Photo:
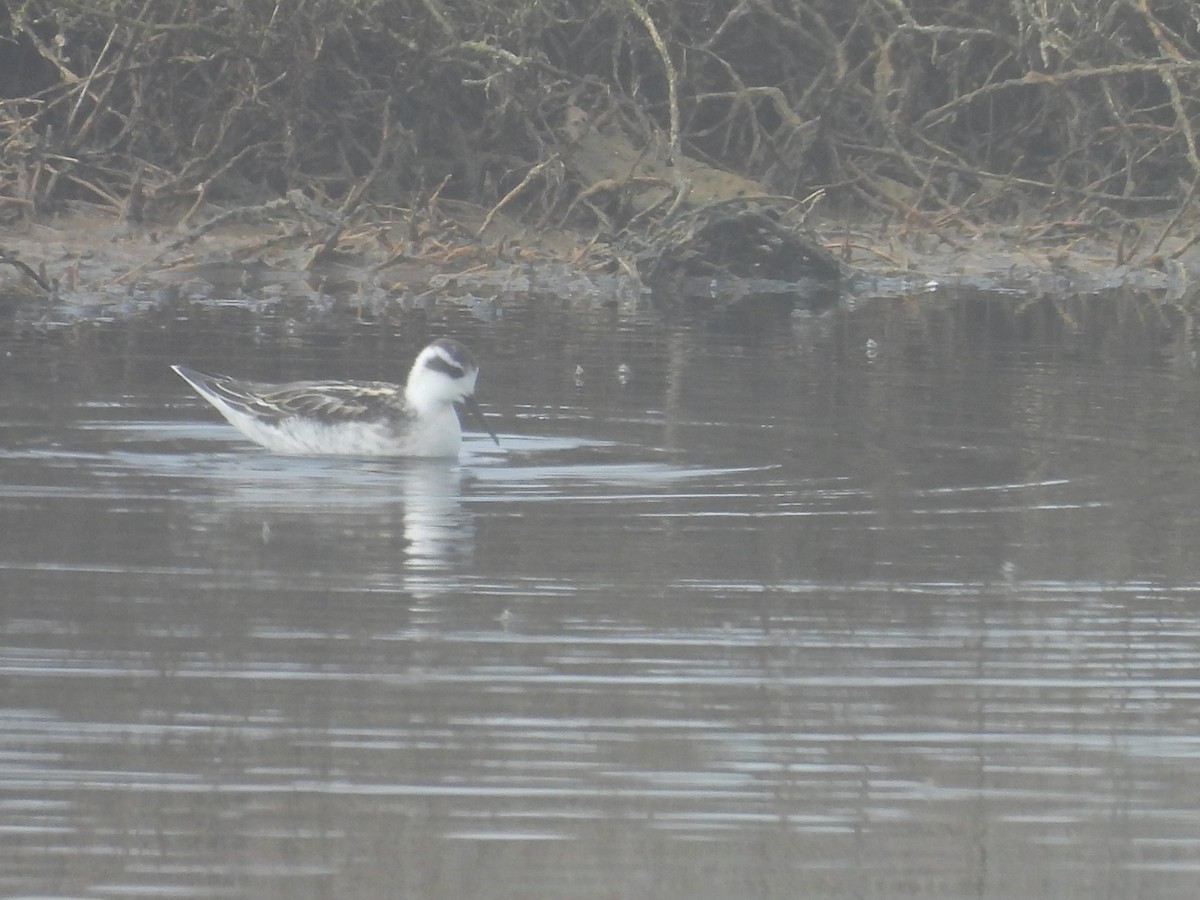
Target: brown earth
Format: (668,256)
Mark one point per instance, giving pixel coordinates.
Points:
(87,254)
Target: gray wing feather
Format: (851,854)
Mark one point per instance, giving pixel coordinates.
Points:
(336,401)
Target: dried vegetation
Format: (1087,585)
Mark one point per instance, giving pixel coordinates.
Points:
(688,137)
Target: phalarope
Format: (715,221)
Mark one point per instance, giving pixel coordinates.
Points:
(363,418)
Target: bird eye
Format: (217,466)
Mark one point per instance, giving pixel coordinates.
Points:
(443,365)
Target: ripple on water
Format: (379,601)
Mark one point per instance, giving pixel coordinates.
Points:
(876,647)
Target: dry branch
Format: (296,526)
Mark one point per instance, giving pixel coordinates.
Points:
(954,112)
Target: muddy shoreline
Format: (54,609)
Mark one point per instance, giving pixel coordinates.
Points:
(88,257)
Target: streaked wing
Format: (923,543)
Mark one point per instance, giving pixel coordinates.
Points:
(338,401)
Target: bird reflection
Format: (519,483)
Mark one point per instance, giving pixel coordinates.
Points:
(436,530)
(339,524)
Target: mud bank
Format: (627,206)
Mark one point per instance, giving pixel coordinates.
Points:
(85,259)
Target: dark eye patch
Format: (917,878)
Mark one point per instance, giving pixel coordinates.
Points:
(440,364)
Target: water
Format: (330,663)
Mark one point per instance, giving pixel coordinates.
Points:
(897,601)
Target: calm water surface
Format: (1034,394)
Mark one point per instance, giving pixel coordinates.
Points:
(898,601)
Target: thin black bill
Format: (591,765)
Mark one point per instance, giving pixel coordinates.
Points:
(473,408)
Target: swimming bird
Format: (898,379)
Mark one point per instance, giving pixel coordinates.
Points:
(361,418)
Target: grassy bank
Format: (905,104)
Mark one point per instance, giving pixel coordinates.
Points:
(616,119)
